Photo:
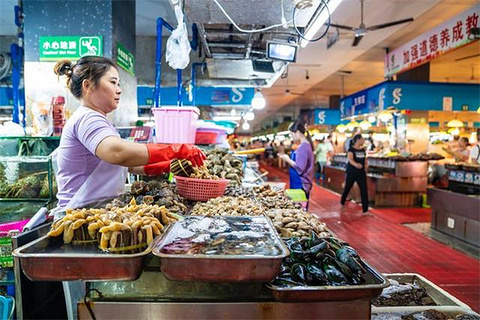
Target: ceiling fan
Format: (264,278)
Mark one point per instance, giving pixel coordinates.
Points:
(362,30)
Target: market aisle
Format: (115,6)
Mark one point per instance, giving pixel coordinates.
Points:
(391,247)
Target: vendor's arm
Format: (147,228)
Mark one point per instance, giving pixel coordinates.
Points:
(352,161)
(287,159)
(123,153)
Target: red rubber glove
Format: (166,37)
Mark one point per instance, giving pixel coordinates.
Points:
(156,169)
(165,152)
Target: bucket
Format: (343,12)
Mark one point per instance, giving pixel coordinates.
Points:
(176,124)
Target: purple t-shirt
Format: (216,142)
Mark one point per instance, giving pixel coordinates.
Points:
(76,158)
(304,161)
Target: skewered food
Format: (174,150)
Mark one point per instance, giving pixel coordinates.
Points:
(116,229)
(297,223)
(227,206)
(320,261)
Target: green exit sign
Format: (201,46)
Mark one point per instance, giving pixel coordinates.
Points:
(70,47)
(125,59)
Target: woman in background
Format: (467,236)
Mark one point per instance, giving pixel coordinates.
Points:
(356,171)
(301,161)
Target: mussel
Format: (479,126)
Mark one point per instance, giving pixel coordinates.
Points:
(299,272)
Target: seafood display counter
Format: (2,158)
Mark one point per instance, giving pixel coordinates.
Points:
(396,182)
(392,181)
(455,210)
(251,253)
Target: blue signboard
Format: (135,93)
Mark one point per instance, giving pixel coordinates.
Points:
(6,97)
(206,96)
(411,96)
(327,117)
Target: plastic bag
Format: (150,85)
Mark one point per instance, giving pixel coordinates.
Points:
(178,46)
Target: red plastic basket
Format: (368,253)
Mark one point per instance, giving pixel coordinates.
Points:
(205,137)
(200,189)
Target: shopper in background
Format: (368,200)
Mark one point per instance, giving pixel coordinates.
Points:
(301,160)
(356,171)
(371,143)
(475,151)
(92,159)
(461,153)
(280,151)
(321,153)
(347,145)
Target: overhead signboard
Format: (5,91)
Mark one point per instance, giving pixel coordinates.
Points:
(206,96)
(411,96)
(125,59)
(444,38)
(69,47)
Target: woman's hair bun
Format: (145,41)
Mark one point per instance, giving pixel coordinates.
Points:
(64,68)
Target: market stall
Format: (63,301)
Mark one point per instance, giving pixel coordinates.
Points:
(455,209)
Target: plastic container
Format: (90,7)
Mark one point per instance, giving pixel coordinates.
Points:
(176,124)
(297,195)
(200,189)
(203,137)
(220,134)
(6,307)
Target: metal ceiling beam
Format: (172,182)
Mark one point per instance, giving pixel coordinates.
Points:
(203,39)
(226,45)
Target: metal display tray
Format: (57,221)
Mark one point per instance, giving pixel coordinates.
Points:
(441,297)
(375,282)
(49,259)
(394,313)
(220,268)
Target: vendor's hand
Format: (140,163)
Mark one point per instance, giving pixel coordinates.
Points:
(167,152)
(359,166)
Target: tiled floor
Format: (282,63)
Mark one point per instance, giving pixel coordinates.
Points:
(390,247)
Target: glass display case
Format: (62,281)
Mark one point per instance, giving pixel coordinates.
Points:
(28,146)
(26,179)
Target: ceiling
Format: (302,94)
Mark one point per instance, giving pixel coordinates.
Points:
(364,63)
(366,67)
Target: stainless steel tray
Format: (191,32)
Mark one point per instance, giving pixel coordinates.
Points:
(441,297)
(49,259)
(220,268)
(375,282)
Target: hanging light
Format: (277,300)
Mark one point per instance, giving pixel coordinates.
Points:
(478,110)
(372,119)
(454,131)
(233,113)
(258,101)
(390,128)
(365,125)
(341,128)
(385,116)
(455,123)
(352,125)
(246,126)
(249,116)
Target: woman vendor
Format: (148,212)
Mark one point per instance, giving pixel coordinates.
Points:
(92,159)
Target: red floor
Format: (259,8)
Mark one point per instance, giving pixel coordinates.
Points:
(390,247)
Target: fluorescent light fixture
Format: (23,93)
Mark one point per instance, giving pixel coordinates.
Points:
(319,21)
(245,126)
(282,51)
(233,113)
(258,101)
(249,116)
(283,133)
(226,118)
(364,125)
